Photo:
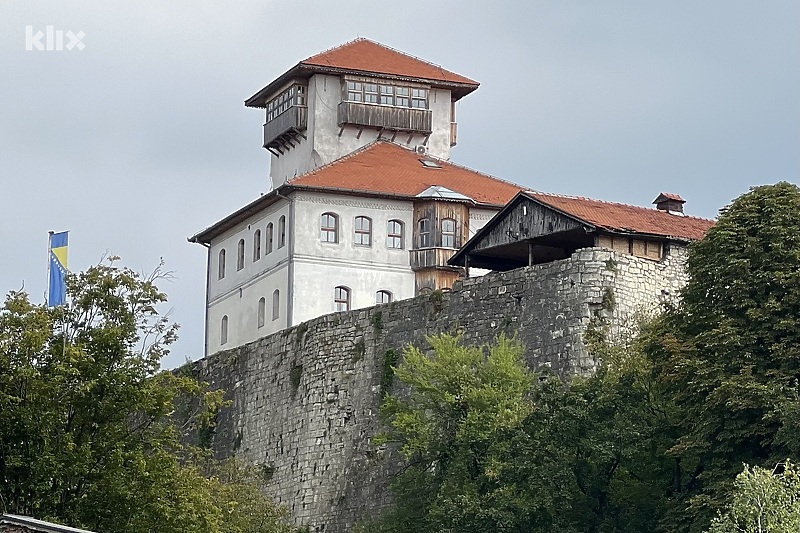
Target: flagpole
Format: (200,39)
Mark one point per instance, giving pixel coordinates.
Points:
(47,286)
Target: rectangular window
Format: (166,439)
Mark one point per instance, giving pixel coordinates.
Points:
(363,236)
(294,95)
(354,91)
(383,297)
(371,93)
(448,233)
(419,98)
(402,96)
(276,304)
(329,228)
(394,235)
(341,298)
(387,94)
(424,233)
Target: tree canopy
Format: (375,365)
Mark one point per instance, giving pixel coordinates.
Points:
(88,432)
(763,501)
(654,441)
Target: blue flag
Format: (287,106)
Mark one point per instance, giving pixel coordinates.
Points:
(57,290)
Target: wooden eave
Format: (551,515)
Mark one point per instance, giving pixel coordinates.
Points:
(388,195)
(458,257)
(305,71)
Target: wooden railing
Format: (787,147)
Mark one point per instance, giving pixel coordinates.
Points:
(430,257)
(391,118)
(292,120)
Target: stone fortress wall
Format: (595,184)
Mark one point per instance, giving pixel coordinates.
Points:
(305,400)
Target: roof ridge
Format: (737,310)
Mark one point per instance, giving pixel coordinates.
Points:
(367,39)
(648,209)
(332,48)
(443,70)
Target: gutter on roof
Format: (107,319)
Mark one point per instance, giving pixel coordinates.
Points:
(204,237)
(390,195)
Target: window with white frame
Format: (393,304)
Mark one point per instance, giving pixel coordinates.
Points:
(262,309)
(294,95)
(256,245)
(424,226)
(448,233)
(276,304)
(329,227)
(223,330)
(282,231)
(341,298)
(363,231)
(221,266)
(240,255)
(383,297)
(394,234)
(269,238)
(387,94)
(419,98)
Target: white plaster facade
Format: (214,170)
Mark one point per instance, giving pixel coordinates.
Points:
(305,270)
(326,141)
(252,294)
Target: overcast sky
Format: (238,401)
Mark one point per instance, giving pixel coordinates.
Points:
(141,139)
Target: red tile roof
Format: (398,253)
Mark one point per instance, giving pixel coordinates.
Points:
(368,56)
(669,196)
(387,168)
(627,218)
(364,57)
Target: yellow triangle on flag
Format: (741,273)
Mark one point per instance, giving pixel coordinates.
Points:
(61,255)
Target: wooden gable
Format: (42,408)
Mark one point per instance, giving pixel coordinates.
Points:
(525,232)
(526,219)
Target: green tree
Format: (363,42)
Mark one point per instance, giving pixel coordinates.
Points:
(729,354)
(87,421)
(489,448)
(763,501)
(451,420)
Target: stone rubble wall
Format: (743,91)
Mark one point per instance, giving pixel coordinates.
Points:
(305,401)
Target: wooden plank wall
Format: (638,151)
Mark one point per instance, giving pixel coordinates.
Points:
(431,280)
(436,211)
(526,220)
(645,248)
(382,116)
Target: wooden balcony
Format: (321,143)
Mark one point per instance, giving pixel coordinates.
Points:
(387,117)
(285,128)
(431,258)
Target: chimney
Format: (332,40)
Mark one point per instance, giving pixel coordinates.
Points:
(671,203)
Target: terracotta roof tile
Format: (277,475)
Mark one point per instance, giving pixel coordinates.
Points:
(368,56)
(387,168)
(669,196)
(627,218)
